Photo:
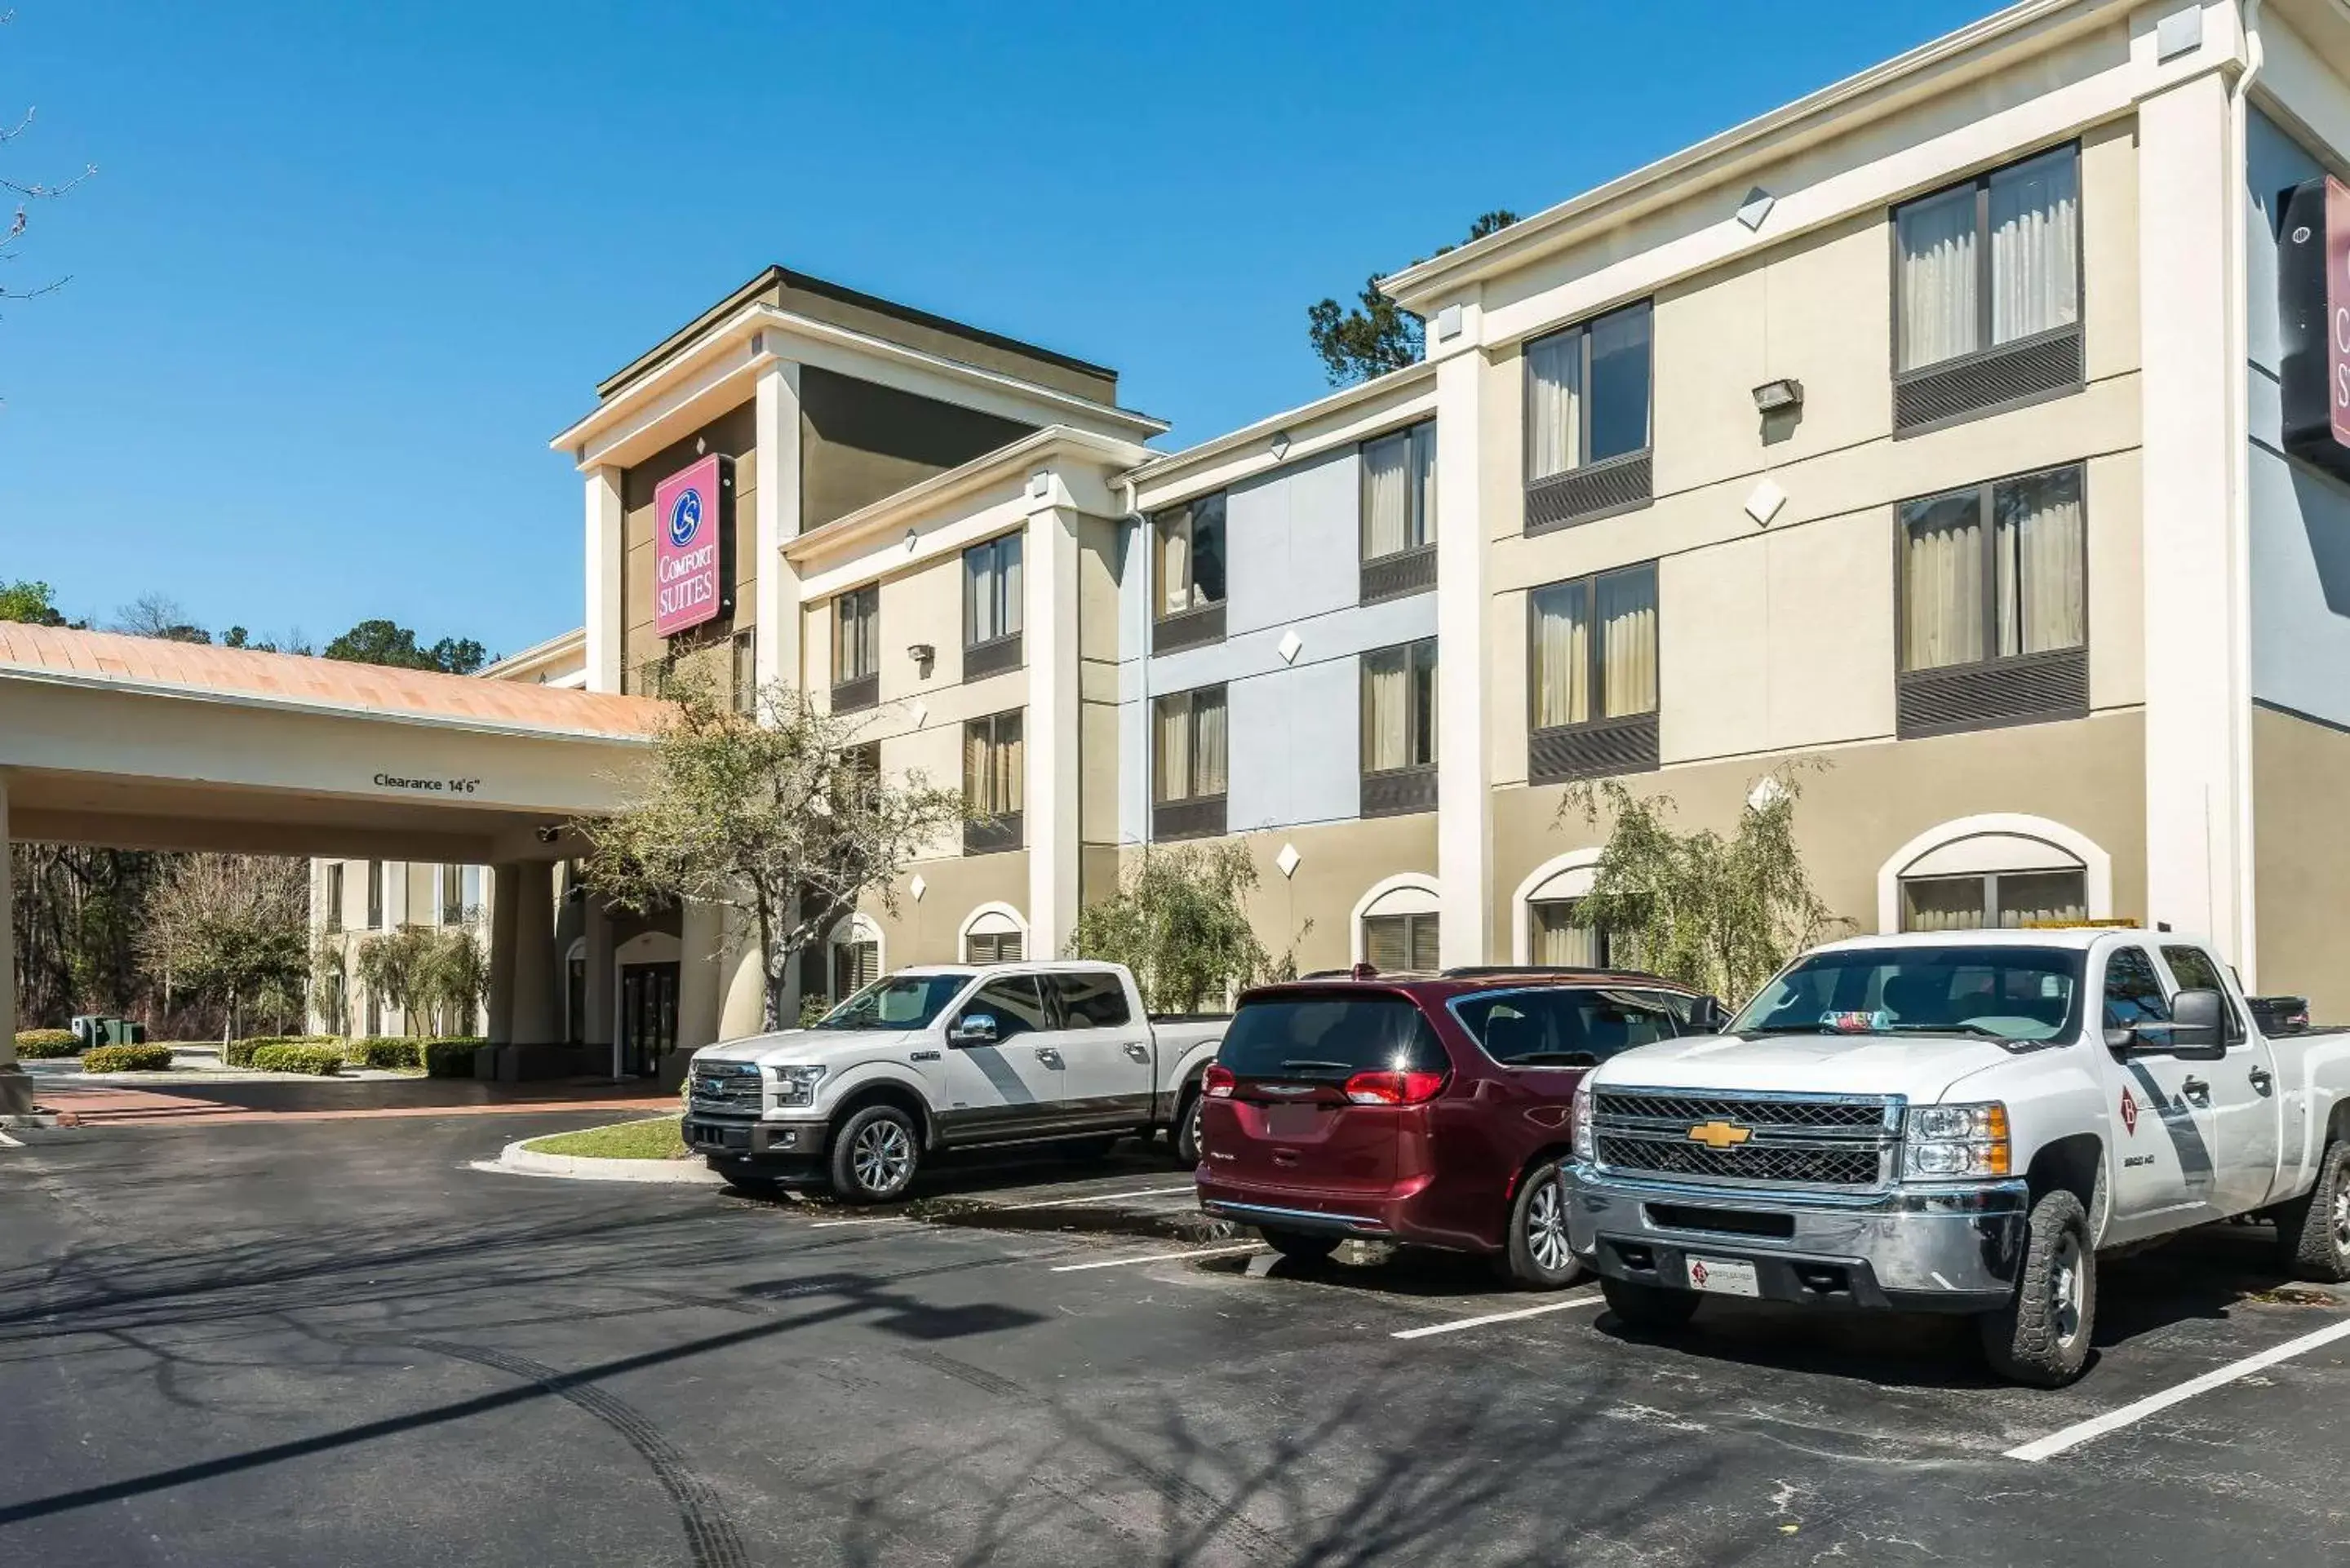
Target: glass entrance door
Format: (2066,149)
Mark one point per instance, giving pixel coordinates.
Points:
(647,1017)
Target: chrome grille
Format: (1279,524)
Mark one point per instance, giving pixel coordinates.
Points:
(725,1087)
(1791,1140)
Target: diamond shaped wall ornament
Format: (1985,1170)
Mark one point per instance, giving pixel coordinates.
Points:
(1287,859)
(1765,503)
(1767,792)
(1753,211)
(913,541)
(1291,644)
(918,886)
(920,713)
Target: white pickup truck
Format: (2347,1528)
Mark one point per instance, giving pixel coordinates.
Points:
(1960,1121)
(950,1057)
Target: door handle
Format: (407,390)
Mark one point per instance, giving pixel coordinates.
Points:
(2262,1078)
(1050,1057)
(1138,1051)
(2196,1089)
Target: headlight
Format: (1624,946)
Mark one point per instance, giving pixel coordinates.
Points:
(796,1085)
(1587,1148)
(1944,1141)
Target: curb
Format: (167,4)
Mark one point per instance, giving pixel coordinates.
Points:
(521,1161)
(20,1120)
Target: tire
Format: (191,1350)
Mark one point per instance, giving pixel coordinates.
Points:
(1536,1257)
(2040,1338)
(1655,1309)
(1300,1246)
(1185,1134)
(2313,1230)
(875,1154)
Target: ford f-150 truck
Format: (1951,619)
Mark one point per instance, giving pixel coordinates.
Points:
(948,1058)
(1960,1121)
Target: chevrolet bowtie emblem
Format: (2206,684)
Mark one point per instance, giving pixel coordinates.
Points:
(1719,1135)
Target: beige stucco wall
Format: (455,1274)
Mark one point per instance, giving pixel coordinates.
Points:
(2302,861)
(927,929)
(1870,800)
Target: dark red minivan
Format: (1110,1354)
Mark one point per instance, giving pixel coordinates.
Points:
(1426,1109)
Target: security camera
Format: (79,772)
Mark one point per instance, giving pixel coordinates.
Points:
(549,835)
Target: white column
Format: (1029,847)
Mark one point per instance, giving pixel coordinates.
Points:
(15,1084)
(1049,731)
(534,955)
(604,606)
(777,436)
(743,1007)
(700,980)
(505,894)
(1464,800)
(2196,720)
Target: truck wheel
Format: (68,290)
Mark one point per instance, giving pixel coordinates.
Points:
(874,1155)
(2042,1336)
(2314,1230)
(1658,1309)
(1300,1246)
(1185,1135)
(1537,1257)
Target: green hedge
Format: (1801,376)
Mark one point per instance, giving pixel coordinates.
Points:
(318,1061)
(126,1059)
(45,1044)
(239,1052)
(451,1058)
(387,1053)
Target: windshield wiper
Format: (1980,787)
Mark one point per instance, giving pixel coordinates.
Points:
(1783,1029)
(1976,1030)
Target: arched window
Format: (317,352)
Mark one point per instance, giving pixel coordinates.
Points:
(1998,870)
(855,951)
(1395,924)
(995,933)
(1546,927)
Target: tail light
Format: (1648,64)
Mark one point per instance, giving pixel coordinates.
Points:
(1217,1082)
(1394,1088)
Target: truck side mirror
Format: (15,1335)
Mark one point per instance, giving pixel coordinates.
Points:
(1709,1016)
(975,1029)
(2196,1025)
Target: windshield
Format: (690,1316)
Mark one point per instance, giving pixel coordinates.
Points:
(1333,1035)
(1999,992)
(1563,1028)
(897,1001)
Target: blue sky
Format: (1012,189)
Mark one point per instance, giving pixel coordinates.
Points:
(346,268)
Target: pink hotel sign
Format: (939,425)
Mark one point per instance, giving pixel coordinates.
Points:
(689,584)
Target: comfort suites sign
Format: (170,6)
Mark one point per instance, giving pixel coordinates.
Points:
(693,545)
(2314,319)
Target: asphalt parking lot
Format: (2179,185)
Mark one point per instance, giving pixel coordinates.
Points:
(337,1342)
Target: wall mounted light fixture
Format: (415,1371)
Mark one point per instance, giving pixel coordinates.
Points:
(1773,397)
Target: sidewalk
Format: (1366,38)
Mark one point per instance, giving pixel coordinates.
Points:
(83,1103)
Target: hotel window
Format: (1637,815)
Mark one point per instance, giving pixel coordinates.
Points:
(452,895)
(994,938)
(857,649)
(1987,293)
(856,964)
(1189,736)
(1561,940)
(1399,742)
(1399,514)
(1587,442)
(332,897)
(993,585)
(993,776)
(1993,605)
(375,896)
(1188,571)
(1592,676)
(1400,943)
(2001,900)
(745,673)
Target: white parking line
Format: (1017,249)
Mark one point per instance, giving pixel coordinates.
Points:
(1189,1187)
(2097,1426)
(1460,1324)
(1155,1258)
(868,1219)
(7,1142)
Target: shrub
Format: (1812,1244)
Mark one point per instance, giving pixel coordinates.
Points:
(239,1052)
(45,1044)
(318,1061)
(387,1053)
(451,1058)
(127,1059)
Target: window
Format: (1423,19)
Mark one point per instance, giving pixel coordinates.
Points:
(452,895)
(1557,1027)
(994,775)
(2001,899)
(375,896)
(1561,940)
(1400,514)
(745,672)
(1587,396)
(2194,970)
(1987,282)
(334,896)
(1392,942)
(992,947)
(1334,1036)
(991,590)
(1399,745)
(1994,604)
(1188,764)
(1189,574)
(1593,677)
(1090,999)
(857,649)
(902,1001)
(856,964)
(2133,990)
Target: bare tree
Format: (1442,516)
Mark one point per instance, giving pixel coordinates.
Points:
(26,192)
(159,615)
(235,927)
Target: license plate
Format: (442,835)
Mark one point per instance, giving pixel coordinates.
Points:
(740,1137)
(1723,1277)
(1291,1121)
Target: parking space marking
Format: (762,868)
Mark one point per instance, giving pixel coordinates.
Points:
(2097,1426)
(1157,1258)
(868,1219)
(1189,1187)
(7,1142)
(1458,1324)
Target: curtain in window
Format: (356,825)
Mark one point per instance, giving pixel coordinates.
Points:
(1423,472)
(977,782)
(1936,291)
(1941,582)
(1554,405)
(1562,672)
(1385,711)
(1559,940)
(1627,646)
(1386,497)
(1942,904)
(1208,732)
(2035,235)
(1175,563)
(979,586)
(1424,953)
(2040,550)
(2029,897)
(1386,943)
(1011,766)
(1172,754)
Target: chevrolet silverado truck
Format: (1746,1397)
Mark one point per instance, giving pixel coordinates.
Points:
(1960,1122)
(948,1058)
